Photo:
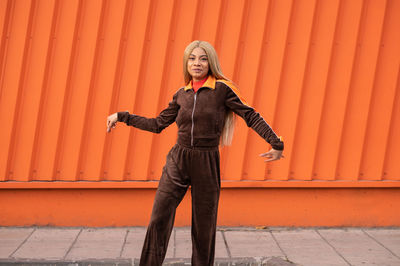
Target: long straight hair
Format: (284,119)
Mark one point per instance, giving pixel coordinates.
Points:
(215,70)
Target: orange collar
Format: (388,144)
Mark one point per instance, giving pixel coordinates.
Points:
(210,83)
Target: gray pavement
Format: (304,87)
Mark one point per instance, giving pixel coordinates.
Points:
(234,246)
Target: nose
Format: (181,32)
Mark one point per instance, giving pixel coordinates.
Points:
(196,62)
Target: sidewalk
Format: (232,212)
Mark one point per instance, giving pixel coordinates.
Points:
(234,246)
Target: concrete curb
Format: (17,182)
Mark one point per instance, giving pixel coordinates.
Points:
(257,261)
(251,261)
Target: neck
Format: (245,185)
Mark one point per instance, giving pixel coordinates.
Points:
(200,80)
(197,84)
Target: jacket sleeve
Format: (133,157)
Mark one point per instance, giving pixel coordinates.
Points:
(156,125)
(253,119)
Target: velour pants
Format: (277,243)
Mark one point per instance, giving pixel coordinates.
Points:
(198,168)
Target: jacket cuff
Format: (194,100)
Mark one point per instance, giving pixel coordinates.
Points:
(123,117)
(278,144)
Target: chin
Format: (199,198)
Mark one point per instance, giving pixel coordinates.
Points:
(200,76)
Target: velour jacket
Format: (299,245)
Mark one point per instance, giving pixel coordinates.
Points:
(200,116)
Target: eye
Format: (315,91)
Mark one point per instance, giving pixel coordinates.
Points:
(191,58)
(204,59)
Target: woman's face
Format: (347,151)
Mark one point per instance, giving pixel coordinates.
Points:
(198,64)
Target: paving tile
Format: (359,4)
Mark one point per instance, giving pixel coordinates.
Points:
(183,243)
(98,244)
(220,247)
(171,244)
(252,243)
(47,243)
(134,243)
(11,238)
(390,238)
(357,248)
(306,247)
(183,246)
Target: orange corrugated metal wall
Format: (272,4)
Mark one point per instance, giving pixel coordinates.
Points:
(324,74)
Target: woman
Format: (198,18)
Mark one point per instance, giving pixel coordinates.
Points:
(203,111)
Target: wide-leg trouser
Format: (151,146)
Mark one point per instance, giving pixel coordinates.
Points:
(198,168)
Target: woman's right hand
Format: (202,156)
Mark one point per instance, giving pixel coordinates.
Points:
(112,121)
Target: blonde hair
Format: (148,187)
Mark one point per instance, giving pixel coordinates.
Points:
(214,70)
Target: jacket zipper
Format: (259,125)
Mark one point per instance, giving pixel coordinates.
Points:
(194,106)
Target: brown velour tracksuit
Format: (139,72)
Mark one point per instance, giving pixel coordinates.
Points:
(194,161)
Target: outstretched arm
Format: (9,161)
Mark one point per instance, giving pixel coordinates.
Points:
(254,120)
(156,125)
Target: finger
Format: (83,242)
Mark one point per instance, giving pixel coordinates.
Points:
(274,158)
(268,156)
(110,126)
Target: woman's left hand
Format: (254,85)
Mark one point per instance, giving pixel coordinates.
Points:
(272,155)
